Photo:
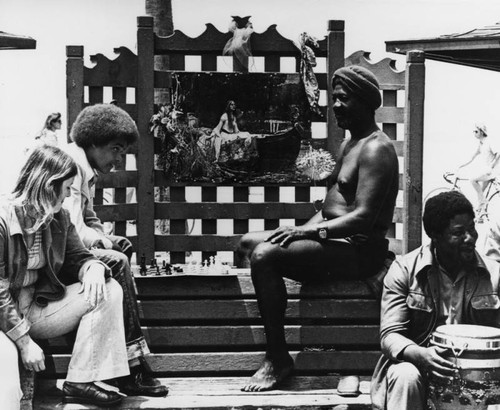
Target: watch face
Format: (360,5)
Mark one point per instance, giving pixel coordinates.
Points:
(323,233)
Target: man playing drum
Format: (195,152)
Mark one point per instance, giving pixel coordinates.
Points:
(443,283)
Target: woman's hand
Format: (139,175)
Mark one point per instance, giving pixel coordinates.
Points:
(31,354)
(284,235)
(94,284)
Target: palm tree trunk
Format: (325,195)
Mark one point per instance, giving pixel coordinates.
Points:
(163,25)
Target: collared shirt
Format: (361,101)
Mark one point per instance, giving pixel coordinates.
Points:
(80,203)
(409,307)
(452,293)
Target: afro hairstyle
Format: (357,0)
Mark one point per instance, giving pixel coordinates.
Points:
(442,208)
(102,123)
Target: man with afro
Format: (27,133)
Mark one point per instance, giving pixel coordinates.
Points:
(445,282)
(101,135)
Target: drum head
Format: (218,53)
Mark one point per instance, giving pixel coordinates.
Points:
(471,337)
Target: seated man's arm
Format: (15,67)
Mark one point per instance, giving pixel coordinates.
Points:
(395,320)
(86,222)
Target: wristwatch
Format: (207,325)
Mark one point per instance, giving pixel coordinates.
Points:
(322,233)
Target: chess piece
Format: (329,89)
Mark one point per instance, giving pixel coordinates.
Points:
(142,267)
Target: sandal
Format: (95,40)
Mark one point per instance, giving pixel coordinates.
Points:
(348,386)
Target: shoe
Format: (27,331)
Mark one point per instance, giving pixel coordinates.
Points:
(141,383)
(348,386)
(89,393)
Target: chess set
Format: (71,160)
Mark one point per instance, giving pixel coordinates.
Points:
(211,267)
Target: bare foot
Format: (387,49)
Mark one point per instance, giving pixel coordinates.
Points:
(268,376)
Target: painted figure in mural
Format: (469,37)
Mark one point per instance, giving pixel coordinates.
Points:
(446,282)
(346,239)
(101,135)
(227,130)
(479,168)
(48,134)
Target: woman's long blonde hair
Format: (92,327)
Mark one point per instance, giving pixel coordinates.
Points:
(39,184)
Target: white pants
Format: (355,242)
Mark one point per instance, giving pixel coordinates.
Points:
(405,388)
(10,384)
(99,352)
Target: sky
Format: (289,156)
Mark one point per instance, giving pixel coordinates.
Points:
(32,82)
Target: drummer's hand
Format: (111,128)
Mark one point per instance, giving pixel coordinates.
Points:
(430,359)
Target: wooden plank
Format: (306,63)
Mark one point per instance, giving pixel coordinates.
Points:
(245,309)
(163,180)
(120,72)
(116,212)
(212,41)
(385,70)
(233,337)
(234,210)
(193,287)
(239,210)
(74,84)
(414,136)
(218,393)
(236,336)
(117,179)
(318,362)
(181,242)
(390,114)
(145,155)
(207,243)
(335,60)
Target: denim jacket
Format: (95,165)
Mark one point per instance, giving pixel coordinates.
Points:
(67,260)
(410,301)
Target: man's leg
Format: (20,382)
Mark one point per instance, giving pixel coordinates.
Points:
(405,388)
(302,260)
(140,381)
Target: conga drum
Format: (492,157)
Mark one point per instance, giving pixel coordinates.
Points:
(476,352)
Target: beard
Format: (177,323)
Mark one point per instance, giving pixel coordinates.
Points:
(343,121)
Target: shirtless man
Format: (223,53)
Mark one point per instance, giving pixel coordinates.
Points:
(346,240)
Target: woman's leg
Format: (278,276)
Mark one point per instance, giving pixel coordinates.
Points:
(99,351)
(10,385)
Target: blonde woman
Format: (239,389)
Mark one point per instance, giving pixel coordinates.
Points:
(50,284)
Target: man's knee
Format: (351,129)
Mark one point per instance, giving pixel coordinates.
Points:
(263,255)
(115,260)
(405,375)
(246,244)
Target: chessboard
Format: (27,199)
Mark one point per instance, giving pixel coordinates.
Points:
(210,267)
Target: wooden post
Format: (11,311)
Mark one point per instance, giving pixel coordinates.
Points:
(414,136)
(335,60)
(145,149)
(74,84)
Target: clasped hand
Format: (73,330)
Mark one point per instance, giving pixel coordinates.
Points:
(94,284)
(431,359)
(284,235)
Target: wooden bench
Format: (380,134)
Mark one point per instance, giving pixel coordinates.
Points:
(205,332)
(199,327)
